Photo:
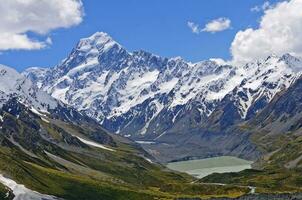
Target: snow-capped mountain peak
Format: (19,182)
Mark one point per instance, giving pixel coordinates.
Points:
(97,43)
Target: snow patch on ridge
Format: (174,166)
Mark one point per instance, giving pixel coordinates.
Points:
(94,144)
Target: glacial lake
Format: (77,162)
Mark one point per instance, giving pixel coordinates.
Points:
(203,167)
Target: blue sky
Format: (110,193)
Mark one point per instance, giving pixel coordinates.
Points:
(157,26)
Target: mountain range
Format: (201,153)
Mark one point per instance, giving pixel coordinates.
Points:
(165,104)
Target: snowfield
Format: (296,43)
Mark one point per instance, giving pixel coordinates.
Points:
(23,193)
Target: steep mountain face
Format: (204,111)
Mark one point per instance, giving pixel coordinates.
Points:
(145,96)
(265,79)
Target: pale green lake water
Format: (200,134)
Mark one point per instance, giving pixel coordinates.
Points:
(203,167)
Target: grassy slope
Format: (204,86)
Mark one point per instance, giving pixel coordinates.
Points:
(69,185)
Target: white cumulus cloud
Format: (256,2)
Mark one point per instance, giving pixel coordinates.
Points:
(19,17)
(194,27)
(213,26)
(266,5)
(279,32)
(217,25)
